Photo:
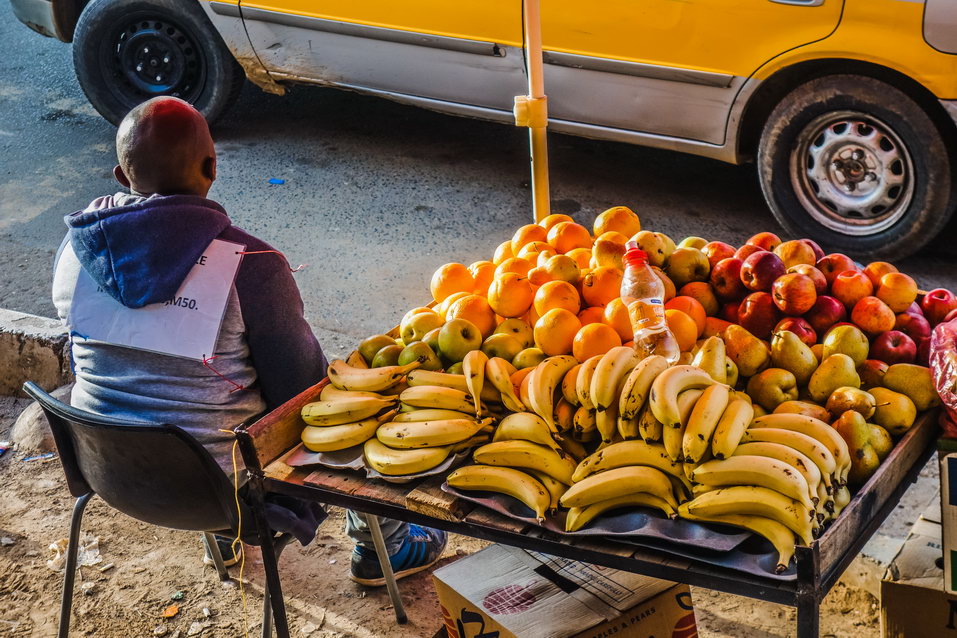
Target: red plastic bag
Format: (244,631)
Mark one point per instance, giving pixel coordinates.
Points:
(943,367)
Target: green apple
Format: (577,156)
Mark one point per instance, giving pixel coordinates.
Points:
(502,345)
(387,356)
(528,358)
(455,368)
(421,352)
(518,329)
(419,325)
(693,242)
(457,338)
(686,265)
(372,345)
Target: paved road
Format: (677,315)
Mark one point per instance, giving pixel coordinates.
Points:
(377,195)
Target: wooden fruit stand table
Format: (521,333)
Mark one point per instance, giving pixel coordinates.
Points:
(267,442)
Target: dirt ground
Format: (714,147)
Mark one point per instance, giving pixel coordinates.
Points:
(150,566)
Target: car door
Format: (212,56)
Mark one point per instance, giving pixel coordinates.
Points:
(466,52)
(668,67)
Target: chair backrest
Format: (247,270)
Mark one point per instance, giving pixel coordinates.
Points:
(158,474)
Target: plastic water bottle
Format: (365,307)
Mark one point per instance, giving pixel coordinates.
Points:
(644,296)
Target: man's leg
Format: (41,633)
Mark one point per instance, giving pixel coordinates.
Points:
(411,548)
(393,531)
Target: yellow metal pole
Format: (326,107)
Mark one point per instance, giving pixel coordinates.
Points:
(532,110)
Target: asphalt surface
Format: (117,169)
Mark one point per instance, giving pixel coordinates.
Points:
(376,195)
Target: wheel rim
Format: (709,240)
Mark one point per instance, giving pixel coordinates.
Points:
(852,173)
(149,56)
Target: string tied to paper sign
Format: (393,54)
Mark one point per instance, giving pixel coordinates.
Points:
(236,386)
(263,252)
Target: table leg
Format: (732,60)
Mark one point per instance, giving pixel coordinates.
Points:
(386,566)
(808,616)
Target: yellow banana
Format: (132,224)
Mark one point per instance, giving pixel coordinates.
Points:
(440,397)
(785,454)
(816,428)
(529,456)
(628,428)
(583,382)
(504,480)
(668,385)
(637,386)
(340,411)
(756,470)
(735,420)
(779,535)
(554,488)
(712,358)
(578,517)
(648,426)
(842,496)
(618,482)
(499,372)
(673,437)
(356,360)
(526,426)
(475,441)
(346,377)
(569,382)
(473,365)
(454,381)
(624,454)
(331,438)
(430,414)
(574,449)
(584,421)
(543,381)
(607,422)
(704,419)
(754,501)
(610,374)
(806,445)
(391,462)
(332,393)
(416,434)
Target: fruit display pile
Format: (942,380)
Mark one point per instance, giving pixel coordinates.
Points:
(798,373)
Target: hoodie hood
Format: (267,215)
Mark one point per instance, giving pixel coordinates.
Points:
(140,250)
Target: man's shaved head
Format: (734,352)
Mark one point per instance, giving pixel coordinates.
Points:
(164,147)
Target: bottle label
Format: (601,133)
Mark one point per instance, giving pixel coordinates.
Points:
(647,314)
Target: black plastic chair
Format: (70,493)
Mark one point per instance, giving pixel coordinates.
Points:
(161,475)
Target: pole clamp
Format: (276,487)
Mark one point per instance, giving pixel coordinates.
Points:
(531,111)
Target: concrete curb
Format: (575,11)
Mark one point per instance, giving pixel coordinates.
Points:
(34,349)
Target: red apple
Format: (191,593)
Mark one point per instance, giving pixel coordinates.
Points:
(872,373)
(818,253)
(794,293)
(796,252)
(893,347)
(914,326)
(759,271)
(923,352)
(746,251)
(715,251)
(798,326)
(915,309)
(820,283)
(758,314)
(851,286)
(951,316)
(833,265)
(873,316)
(877,269)
(767,241)
(825,312)
(897,290)
(729,311)
(726,279)
(937,304)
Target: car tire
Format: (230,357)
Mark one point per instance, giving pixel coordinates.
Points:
(858,166)
(128,51)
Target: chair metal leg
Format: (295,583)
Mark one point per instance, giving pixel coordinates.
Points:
(212,548)
(280,544)
(386,566)
(69,575)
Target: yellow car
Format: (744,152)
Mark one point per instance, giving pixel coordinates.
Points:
(848,107)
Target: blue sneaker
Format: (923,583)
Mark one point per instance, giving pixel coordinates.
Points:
(421,549)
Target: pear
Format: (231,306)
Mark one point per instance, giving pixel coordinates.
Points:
(712,359)
(856,432)
(792,354)
(748,352)
(849,340)
(881,441)
(732,372)
(818,350)
(806,408)
(915,381)
(845,398)
(772,387)
(759,411)
(608,253)
(834,372)
(895,411)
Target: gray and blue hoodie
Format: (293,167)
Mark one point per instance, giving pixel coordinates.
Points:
(139,250)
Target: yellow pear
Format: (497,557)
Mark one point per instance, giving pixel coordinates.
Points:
(804,407)
(845,398)
(712,359)
(749,353)
(834,372)
(792,354)
(731,371)
(895,412)
(915,381)
(772,387)
(856,432)
(881,441)
(608,253)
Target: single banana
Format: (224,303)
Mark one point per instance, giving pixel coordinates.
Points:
(454,381)
(607,422)
(473,365)
(430,414)
(554,488)
(583,382)
(503,480)
(704,419)
(754,501)
(584,421)
(356,360)
(331,438)
(785,454)
(610,374)
(712,359)
(578,517)
(756,470)
(543,381)
(779,535)
(618,482)
(816,428)
(499,372)
(332,393)
(433,396)
(628,428)
(648,426)
(735,420)
(340,411)
(529,456)
(346,377)
(671,383)
(408,435)
(806,445)
(842,496)
(478,440)
(391,462)
(569,384)
(637,386)
(574,449)
(526,426)
(673,437)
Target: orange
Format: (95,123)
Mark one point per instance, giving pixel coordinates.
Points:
(526,235)
(619,219)
(613,236)
(443,307)
(518,376)
(691,307)
(482,273)
(539,276)
(567,236)
(451,278)
(476,309)
(553,220)
(555,331)
(557,294)
(503,252)
(704,293)
(531,250)
(593,314)
(513,264)
(582,257)
(616,316)
(601,285)
(510,295)
(532,317)
(683,328)
(593,339)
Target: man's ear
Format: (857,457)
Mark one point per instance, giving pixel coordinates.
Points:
(209,169)
(121,176)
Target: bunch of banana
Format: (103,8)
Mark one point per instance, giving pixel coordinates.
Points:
(437,397)
(409,461)
(606,386)
(616,488)
(419,434)
(578,517)
(330,438)
(542,383)
(816,429)
(344,409)
(752,500)
(526,455)
(488,394)
(504,480)
(526,426)
(781,536)
(347,377)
